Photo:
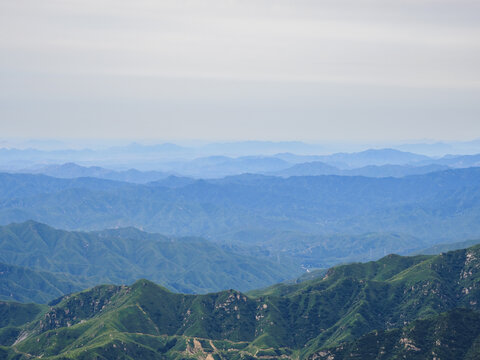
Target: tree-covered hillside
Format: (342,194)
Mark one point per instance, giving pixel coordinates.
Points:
(451,335)
(49,262)
(22,284)
(392,307)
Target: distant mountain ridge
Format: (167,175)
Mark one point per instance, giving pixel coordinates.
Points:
(215,168)
(439,206)
(72,170)
(318,168)
(373,157)
(371,163)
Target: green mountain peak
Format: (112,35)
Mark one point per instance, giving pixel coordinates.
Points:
(391,300)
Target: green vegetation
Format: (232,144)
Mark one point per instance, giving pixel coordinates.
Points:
(45,263)
(25,285)
(13,316)
(451,335)
(50,263)
(394,307)
(320,251)
(439,248)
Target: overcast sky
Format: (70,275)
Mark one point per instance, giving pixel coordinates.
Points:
(350,70)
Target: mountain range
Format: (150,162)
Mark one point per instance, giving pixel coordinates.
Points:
(72,171)
(213,168)
(194,226)
(317,168)
(136,164)
(415,307)
(435,207)
(41,263)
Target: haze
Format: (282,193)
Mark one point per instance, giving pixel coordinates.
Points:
(228,70)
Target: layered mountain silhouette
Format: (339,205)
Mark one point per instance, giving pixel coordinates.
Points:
(141,164)
(438,206)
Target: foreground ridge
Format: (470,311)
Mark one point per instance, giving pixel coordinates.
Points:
(418,307)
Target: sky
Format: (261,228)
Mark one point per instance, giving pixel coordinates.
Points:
(310,70)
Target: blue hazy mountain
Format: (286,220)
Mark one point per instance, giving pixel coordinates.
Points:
(220,166)
(393,170)
(372,157)
(438,206)
(142,163)
(72,170)
(207,167)
(444,247)
(316,168)
(459,161)
(440,148)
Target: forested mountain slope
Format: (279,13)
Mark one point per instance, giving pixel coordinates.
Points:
(76,259)
(22,284)
(413,299)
